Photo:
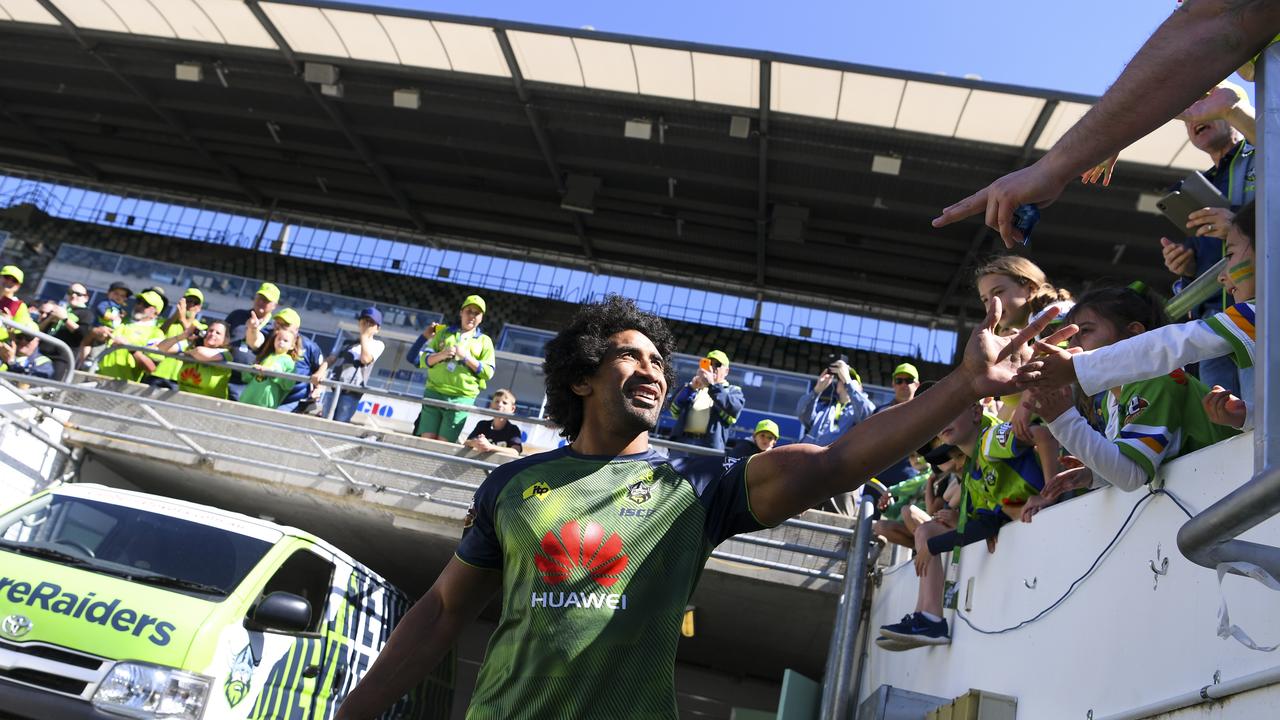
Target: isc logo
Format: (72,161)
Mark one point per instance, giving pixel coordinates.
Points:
(636,512)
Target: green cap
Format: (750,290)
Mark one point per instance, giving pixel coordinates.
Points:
(195,293)
(907,369)
(14,272)
(289,317)
(768,426)
(474,300)
(719,356)
(269,291)
(151,298)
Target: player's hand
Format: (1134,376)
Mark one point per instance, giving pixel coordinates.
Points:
(1053,366)
(991,360)
(1033,185)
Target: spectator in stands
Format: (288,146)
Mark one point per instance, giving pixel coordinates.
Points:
(1196,47)
(20,354)
(68,321)
(209,344)
(238,322)
(11,277)
(835,405)
(302,396)
(459,360)
(763,439)
(354,364)
(142,330)
(1147,422)
(915,501)
(707,406)
(906,383)
(498,434)
(186,315)
(108,316)
(1001,473)
(1214,125)
(281,355)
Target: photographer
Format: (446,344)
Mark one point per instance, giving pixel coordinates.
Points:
(68,321)
(836,404)
(354,364)
(20,353)
(707,406)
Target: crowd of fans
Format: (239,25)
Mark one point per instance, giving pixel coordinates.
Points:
(1002,460)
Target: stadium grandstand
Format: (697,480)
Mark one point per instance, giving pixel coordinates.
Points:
(772,207)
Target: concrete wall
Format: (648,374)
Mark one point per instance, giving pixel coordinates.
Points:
(1121,640)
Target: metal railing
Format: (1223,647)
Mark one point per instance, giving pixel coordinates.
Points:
(63,348)
(318,452)
(1210,538)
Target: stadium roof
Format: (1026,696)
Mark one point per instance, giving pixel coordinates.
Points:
(769,171)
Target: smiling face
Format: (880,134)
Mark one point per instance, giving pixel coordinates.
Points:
(216,336)
(1013,298)
(625,393)
(1239,276)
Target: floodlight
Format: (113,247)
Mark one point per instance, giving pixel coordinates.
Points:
(740,127)
(886,164)
(638,130)
(407,98)
(321,73)
(189,71)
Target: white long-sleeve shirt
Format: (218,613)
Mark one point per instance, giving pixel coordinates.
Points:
(1165,349)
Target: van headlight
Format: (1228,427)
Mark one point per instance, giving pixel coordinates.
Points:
(140,690)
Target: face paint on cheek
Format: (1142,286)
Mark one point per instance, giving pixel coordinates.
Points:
(1241,272)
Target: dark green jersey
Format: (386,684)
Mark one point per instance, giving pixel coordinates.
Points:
(599,556)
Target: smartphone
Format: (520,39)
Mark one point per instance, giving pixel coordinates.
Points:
(1025,219)
(1195,193)
(705,364)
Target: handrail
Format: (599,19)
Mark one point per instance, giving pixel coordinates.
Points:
(63,348)
(338,385)
(1197,291)
(185,443)
(1209,538)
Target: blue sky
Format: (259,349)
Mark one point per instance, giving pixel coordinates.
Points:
(1072,45)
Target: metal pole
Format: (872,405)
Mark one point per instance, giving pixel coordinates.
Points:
(1209,538)
(837,684)
(63,349)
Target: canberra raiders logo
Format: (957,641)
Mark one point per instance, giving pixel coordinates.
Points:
(240,678)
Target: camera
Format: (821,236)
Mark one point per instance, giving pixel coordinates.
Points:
(833,358)
(197,337)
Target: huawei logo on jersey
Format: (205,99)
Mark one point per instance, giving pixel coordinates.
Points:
(601,557)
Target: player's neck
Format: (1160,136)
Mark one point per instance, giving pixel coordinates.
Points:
(595,440)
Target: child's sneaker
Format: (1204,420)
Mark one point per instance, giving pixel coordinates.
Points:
(891,645)
(917,630)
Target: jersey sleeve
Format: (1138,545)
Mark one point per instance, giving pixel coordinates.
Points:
(1150,421)
(721,486)
(1236,326)
(480,546)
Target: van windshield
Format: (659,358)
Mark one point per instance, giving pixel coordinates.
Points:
(136,544)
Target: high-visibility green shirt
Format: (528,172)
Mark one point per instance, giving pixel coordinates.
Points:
(453,377)
(121,364)
(208,380)
(171,365)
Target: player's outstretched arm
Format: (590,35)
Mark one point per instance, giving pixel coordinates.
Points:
(1200,44)
(787,480)
(422,638)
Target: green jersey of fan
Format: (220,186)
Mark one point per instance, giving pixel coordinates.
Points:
(599,556)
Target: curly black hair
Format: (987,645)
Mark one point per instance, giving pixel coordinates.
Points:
(577,351)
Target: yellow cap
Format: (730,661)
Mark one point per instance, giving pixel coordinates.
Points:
(195,293)
(474,300)
(719,356)
(14,272)
(289,317)
(151,298)
(768,426)
(269,291)
(907,369)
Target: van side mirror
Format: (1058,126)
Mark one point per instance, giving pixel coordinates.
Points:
(284,612)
